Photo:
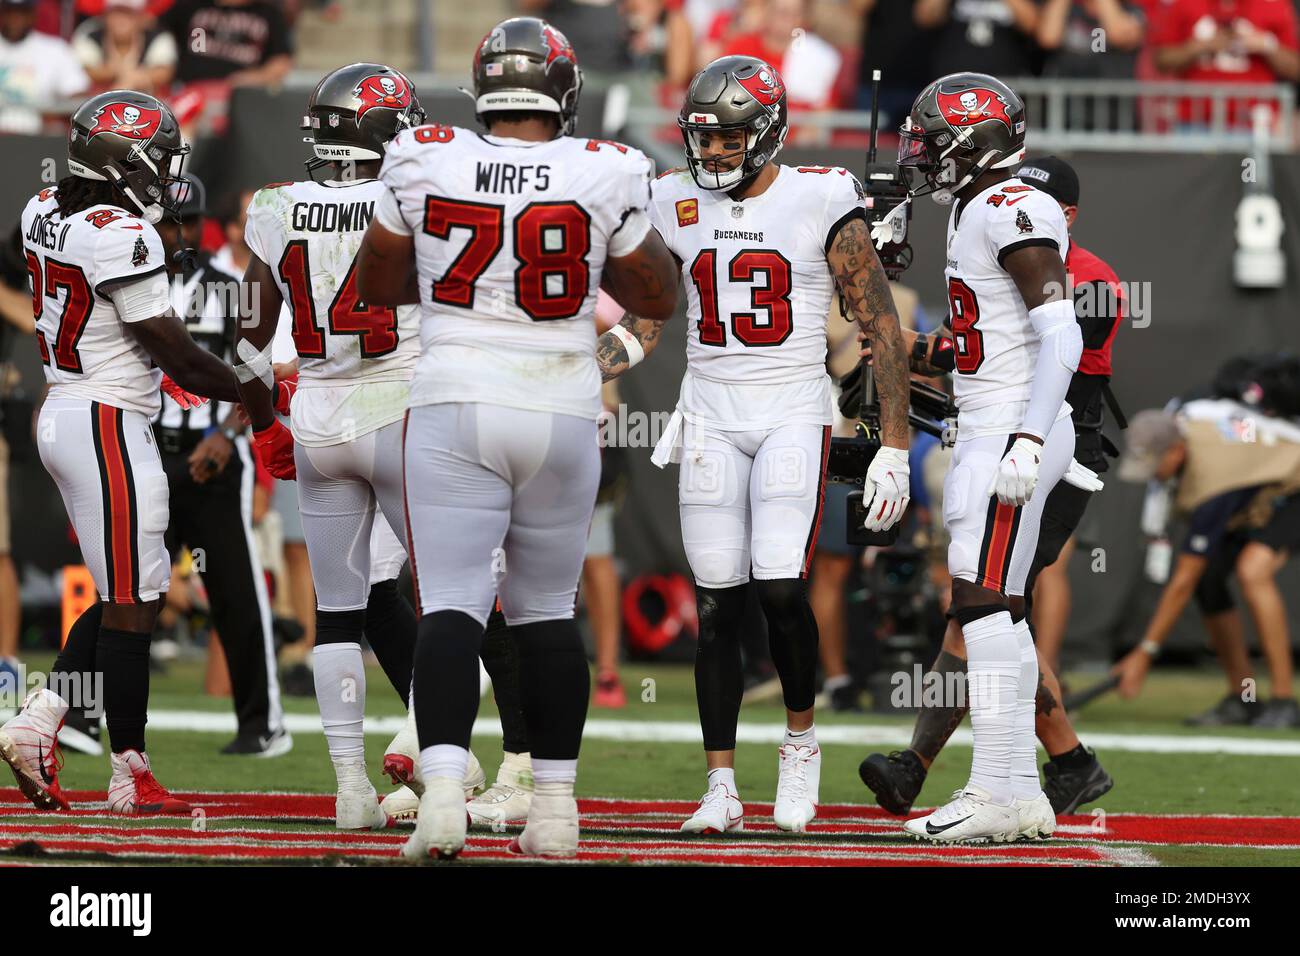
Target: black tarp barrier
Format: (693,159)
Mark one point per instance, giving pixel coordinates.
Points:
(1165,221)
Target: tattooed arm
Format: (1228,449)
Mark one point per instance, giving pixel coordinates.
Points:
(611,348)
(644,282)
(386,271)
(861,280)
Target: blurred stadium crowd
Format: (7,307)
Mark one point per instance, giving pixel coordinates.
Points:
(53,53)
(195,51)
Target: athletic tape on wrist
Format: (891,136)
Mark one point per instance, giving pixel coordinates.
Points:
(254,363)
(635,351)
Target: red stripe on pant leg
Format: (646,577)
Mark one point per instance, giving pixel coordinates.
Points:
(406,510)
(997,543)
(821,502)
(119,499)
(994,570)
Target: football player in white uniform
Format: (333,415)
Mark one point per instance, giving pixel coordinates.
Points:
(355,362)
(761,248)
(105,327)
(1017,344)
(504,238)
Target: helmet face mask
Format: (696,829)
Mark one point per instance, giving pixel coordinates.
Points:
(355,111)
(133,141)
(741,101)
(719,170)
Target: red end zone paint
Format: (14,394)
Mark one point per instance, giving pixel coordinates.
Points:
(614,830)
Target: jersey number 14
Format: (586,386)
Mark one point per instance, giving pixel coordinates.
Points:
(375,326)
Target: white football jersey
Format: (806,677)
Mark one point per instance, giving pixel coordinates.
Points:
(758,292)
(84,344)
(511,239)
(995,343)
(309,233)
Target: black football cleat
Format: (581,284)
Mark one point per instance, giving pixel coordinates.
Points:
(1277,714)
(249,744)
(1069,789)
(1231,711)
(895,780)
(846,699)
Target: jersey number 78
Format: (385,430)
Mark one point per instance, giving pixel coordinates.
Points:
(551,242)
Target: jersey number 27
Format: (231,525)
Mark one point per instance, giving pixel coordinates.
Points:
(76,309)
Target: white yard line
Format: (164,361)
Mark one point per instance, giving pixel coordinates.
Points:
(688,732)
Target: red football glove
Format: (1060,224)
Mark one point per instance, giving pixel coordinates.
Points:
(283,395)
(181,397)
(275,447)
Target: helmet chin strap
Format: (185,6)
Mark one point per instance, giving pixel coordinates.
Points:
(152,212)
(945,194)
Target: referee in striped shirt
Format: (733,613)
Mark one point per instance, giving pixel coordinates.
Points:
(210,472)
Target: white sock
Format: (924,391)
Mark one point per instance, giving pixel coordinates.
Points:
(340,677)
(554,778)
(992,681)
(444,760)
(1024,755)
(725,776)
(801,738)
(836,682)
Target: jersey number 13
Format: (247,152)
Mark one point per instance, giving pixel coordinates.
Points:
(771,298)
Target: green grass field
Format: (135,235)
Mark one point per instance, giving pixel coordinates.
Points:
(1165,783)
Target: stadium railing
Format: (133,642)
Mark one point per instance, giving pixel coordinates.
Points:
(1095,115)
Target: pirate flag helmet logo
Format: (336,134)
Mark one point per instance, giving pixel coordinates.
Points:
(126,119)
(383,90)
(356,110)
(968,107)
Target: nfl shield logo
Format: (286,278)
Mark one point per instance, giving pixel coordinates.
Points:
(334,119)
(737,212)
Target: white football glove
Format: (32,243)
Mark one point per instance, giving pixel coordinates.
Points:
(1018,473)
(887,490)
(891,228)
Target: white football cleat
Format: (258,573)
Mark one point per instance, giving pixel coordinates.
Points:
(1037,821)
(475,778)
(797,783)
(508,799)
(720,810)
(357,808)
(552,828)
(441,825)
(402,764)
(134,789)
(402,757)
(401,805)
(968,818)
(29,745)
